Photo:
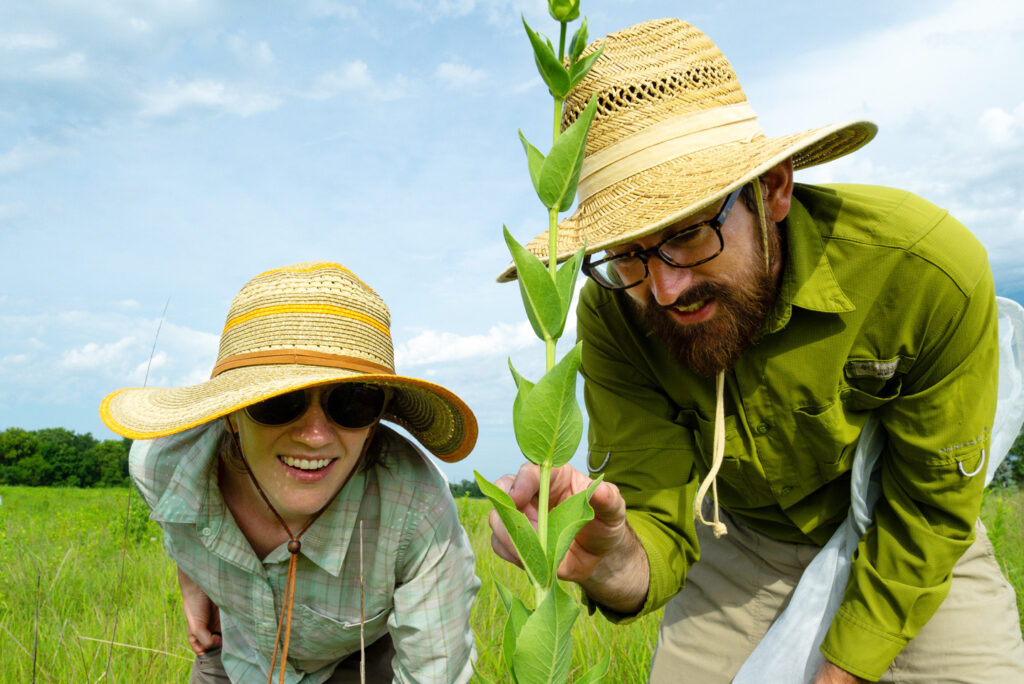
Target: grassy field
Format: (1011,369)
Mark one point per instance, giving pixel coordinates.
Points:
(60,592)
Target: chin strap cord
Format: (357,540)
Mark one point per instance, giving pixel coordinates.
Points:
(759,200)
(717,455)
(294,546)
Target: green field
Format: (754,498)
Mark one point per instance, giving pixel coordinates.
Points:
(62,589)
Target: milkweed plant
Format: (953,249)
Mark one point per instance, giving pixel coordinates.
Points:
(537,645)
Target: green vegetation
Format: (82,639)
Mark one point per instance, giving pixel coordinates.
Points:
(61,551)
(56,457)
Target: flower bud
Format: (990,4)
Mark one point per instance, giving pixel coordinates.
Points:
(564,10)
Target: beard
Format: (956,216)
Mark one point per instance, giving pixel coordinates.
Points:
(714,345)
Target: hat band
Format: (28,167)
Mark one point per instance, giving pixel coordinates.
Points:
(664,141)
(301,357)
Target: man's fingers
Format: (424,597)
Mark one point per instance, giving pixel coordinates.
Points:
(607,502)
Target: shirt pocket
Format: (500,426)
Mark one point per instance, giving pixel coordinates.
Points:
(870,383)
(322,634)
(828,435)
(741,484)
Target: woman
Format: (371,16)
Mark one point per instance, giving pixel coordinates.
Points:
(301,527)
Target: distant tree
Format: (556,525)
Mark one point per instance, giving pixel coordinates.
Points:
(1010,472)
(61,457)
(15,444)
(466,488)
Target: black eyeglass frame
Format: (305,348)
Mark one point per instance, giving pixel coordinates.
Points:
(325,398)
(644,255)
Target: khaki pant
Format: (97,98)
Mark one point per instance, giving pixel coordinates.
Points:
(743,582)
(207,668)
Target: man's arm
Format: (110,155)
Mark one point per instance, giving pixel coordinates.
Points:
(938,430)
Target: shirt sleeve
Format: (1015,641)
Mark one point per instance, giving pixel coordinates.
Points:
(938,431)
(635,443)
(433,598)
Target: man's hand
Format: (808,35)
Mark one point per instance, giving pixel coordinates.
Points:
(830,673)
(201,616)
(606,558)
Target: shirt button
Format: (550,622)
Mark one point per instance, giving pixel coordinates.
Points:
(785,490)
(207,531)
(763,428)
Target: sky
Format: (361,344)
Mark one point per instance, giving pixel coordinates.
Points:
(162,152)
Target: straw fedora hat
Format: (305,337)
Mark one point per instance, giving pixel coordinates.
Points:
(673,134)
(294,327)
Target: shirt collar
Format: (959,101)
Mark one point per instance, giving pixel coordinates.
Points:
(808,280)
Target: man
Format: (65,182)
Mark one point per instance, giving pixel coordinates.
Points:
(739,332)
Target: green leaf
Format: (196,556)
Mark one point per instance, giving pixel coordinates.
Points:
(534,159)
(550,67)
(580,68)
(565,521)
(518,614)
(523,387)
(550,424)
(597,672)
(544,647)
(561,170)
(578,42)
(540,295)
(524,536)
(565,282)
(503,592)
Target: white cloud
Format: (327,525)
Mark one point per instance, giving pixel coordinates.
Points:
(355,76)
(93,355)
(332,10)
(128,304)
(25,153)
(431,346)
(27,41)
(454,75)
(1003,129)
(250,53)
(10,211)
(204,94)
(72,66)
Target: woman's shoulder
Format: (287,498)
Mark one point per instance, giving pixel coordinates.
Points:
(181,461)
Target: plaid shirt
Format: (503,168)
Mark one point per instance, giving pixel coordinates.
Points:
(417,563)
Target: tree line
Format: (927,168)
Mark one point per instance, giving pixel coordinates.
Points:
(57,457)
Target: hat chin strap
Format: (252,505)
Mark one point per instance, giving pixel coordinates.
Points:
(717,456)
(294,546)
(718,445)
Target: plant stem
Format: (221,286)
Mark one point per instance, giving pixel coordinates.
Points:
(549,343)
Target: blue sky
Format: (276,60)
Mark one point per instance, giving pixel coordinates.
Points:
(169,150)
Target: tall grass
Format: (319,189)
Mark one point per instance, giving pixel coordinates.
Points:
(69,542)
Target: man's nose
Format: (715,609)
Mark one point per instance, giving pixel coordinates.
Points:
(667,282)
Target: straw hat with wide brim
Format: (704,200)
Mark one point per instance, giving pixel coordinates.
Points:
(673,134)
(303,325)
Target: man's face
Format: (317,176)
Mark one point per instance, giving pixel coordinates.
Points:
(709,314)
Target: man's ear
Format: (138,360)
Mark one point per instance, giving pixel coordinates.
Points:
(779,190)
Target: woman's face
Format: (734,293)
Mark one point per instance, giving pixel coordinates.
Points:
(302,464)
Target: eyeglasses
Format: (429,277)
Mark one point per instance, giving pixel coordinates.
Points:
(350,405)
(692,246)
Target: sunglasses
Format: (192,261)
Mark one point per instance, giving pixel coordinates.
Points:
(349,405)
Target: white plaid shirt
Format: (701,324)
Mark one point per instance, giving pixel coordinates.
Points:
(418,567)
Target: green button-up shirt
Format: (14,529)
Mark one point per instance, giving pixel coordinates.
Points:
(417,565)
(886,306)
